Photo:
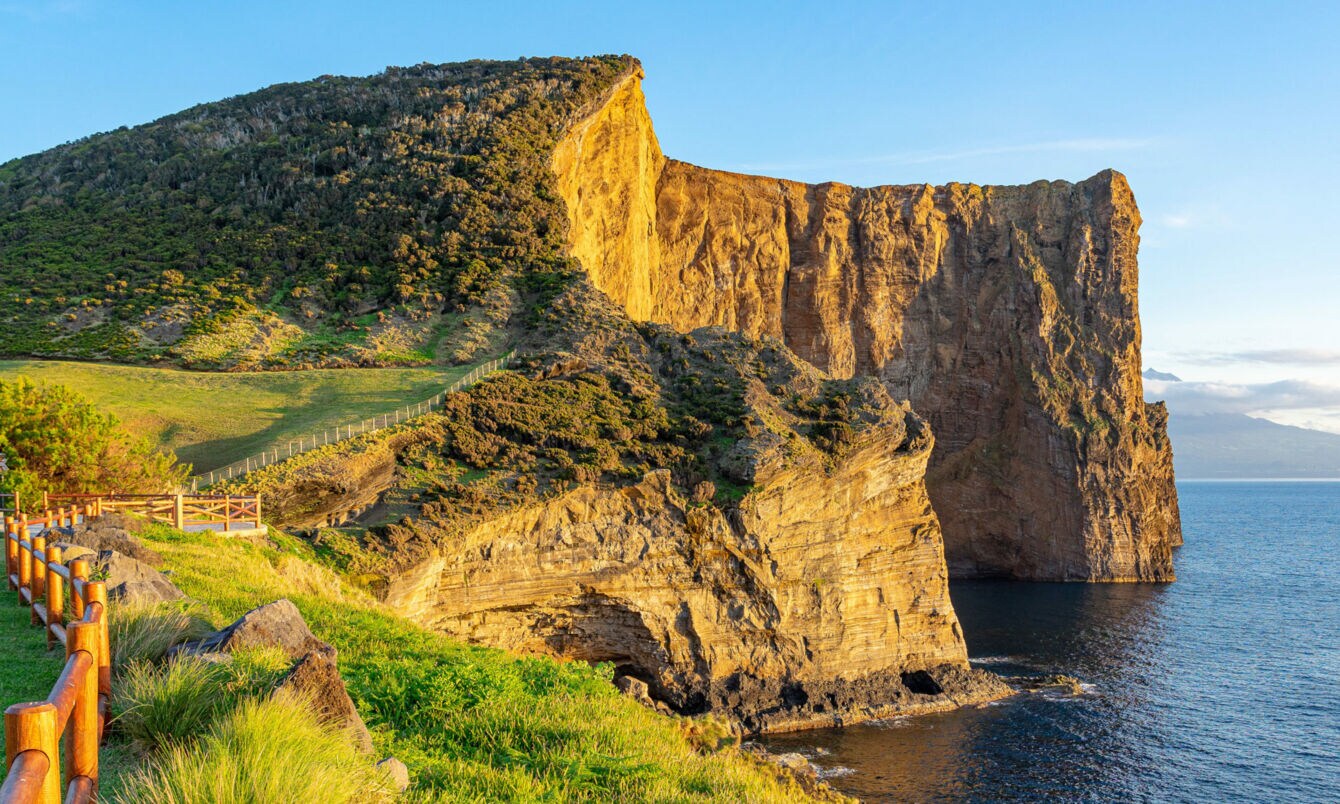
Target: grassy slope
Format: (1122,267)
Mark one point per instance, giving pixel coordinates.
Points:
(212,419)
(472,723)
(27,671)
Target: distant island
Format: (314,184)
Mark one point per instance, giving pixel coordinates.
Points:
(1224,446)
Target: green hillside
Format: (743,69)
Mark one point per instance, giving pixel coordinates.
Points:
(339,221)
(213,419)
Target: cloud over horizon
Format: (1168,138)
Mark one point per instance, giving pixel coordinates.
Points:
(1302,403)
(1286,357)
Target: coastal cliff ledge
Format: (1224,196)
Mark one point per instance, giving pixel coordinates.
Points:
(822,600)
(1007,315)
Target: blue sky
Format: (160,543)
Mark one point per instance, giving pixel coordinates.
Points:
(1224,116)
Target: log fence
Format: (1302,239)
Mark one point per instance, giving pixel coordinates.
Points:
(226,512)
(307,443)
(76,709)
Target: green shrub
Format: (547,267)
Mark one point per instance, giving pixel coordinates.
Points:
(143,632)
(270,750)
(55,441)
(159,705)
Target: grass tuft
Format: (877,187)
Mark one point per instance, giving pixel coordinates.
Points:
(143,632)
(161,705)
(264,750)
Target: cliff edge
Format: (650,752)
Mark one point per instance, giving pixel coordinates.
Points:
(1006,315)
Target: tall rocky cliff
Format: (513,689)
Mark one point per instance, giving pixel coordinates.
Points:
(822,600)
(1007,315)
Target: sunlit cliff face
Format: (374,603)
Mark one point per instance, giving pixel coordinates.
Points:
(1007,315)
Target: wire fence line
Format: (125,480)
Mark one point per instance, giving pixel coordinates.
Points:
(334,435)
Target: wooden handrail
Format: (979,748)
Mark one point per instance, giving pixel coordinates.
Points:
(78,701)
(213,511)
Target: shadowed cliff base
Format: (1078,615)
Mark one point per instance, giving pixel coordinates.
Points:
(1007,315)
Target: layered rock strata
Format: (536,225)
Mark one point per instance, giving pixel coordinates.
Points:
(1007,315)
(822,599)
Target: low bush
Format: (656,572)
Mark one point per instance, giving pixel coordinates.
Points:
(161,705)
(143,632)
(265,750)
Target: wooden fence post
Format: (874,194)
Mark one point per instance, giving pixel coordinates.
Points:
(258,511)
(55,596)
(78,571)
(25,560)
(81,747)
(11,551)
(37,576)
(178,519)
(32,727)
(96,592)
(227,513)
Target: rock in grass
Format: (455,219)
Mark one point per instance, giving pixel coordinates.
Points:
(316,677)
(636,689)
(398,773)
(112,532)
(127,578)
(130,580)
(278,624)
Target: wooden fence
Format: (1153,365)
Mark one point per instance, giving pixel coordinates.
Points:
(224,512)
(76,709)
(335,435)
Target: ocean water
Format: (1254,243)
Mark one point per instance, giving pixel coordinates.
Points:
(1223,686)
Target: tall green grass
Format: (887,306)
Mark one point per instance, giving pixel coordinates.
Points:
(264,750)
(143,632)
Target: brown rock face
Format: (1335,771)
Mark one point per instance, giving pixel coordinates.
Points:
(1007,315)
(809,605)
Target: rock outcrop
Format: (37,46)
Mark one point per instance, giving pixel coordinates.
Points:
(808,605)
(1007,315)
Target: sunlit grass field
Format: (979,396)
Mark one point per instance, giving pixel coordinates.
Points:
(212,419)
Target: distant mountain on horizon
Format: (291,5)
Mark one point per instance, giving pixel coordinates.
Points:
(1154,374)
(1224,446)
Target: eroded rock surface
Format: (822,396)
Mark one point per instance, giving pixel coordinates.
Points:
(316,677)
(805,606)
(1007,315)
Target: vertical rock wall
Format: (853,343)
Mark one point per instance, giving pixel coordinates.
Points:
(1007,315)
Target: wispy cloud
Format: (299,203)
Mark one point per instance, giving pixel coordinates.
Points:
(1083,144)
(1282,357)
(1194,216)
(1283,400)
(38,10)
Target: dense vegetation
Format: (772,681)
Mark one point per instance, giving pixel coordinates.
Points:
(336,221)
(53,440)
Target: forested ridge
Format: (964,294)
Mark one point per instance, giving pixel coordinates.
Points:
(337,221)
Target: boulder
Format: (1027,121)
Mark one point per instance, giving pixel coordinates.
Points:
(316,677)
(397,772)
(796,763)
(277,624)
(636,689)
(112,532)
(70,551)
(131,580)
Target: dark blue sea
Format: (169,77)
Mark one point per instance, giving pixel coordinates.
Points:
(1223,686)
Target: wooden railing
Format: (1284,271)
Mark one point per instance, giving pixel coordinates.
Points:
(183,511)
(77,706)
